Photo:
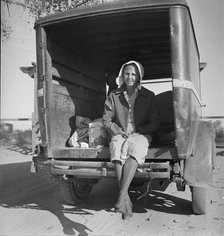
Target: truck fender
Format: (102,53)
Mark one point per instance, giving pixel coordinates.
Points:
(198,167)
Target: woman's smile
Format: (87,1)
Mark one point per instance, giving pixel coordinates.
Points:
(130,75)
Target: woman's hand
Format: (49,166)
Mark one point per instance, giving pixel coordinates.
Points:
(123,134)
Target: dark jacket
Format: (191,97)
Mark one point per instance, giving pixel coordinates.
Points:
(116,112)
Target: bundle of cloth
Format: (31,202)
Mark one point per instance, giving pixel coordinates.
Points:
(80,137)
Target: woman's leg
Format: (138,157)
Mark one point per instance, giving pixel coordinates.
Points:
(124,204)
(118,167)
(128,173)
(137,150)
(115,151)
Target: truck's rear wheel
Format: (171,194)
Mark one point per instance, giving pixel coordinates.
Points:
(74,193)
(199,200)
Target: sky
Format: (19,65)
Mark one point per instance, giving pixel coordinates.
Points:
(17,88)
(208,18)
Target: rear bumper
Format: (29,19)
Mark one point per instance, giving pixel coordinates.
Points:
(97,169)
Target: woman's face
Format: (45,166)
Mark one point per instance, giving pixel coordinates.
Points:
(130,76)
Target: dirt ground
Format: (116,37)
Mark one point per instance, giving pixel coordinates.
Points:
(31,205)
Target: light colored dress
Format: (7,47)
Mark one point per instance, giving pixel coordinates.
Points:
(136,145)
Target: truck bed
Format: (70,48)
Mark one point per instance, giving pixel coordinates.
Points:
(154,152)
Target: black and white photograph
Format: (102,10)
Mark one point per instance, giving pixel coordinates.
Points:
(112,118)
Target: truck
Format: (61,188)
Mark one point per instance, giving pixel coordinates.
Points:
(79,53)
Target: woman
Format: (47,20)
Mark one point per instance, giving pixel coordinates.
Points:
(130,117)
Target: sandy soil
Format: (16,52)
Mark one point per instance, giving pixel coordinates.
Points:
(31,205)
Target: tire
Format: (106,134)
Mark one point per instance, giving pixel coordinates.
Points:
(199,200)
(75,193)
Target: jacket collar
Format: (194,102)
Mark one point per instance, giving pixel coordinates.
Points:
(141,91)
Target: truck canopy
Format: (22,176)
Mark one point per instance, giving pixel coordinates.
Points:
(111,34)
(80,51)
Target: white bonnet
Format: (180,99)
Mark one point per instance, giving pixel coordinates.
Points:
(120,79)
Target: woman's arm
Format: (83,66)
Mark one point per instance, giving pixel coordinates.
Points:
(108,118)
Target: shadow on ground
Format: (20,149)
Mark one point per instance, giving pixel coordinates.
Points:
(34,191)
(161,202)
(23,149)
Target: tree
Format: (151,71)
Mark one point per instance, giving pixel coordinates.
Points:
(40,8)
(6,30)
